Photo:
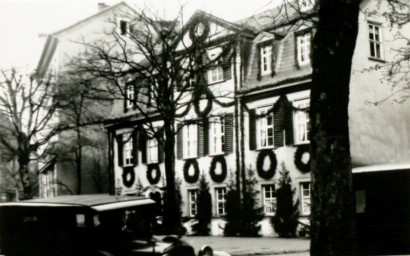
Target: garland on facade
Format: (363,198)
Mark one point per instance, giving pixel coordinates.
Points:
(151,177)
(218,177)
(191,178)
(266,174)
(195,37)
(197,101)
(128,176)
(300,151)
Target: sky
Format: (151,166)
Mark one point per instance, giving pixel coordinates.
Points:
(23,21)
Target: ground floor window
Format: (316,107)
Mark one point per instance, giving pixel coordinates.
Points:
(192,198)
(220,194)
(269,199)
(305,197)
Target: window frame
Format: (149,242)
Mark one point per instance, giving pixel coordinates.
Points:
(217,135)
(262,125)
(266,59)
(220,203)
(301,118)
(305,210)
(303,49)
(216,68)
(271,200)
(374,42)
(190,143)
(130,94)
(127,148)
(193,202)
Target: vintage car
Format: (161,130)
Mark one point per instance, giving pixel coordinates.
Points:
(87,225)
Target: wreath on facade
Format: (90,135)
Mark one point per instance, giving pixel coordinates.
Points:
(197,101)
(218,177)
(151,177)
(128,176)
(300,152)
(192,33)
(191,178)
(266,174)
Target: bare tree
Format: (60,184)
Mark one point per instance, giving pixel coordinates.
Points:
(159,76)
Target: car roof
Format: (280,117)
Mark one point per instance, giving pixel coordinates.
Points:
(98,202)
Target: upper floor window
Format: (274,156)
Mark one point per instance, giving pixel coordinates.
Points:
(303,48)
(302,121)
(305,197)
(125,27)
(152,150)
(375,39)
(220,194)
(215,72)
(266,59)
(265,128)
(217,135)
(269,199)
(127,149)
(130,96)
(192,198)
(306,5)
(190,138)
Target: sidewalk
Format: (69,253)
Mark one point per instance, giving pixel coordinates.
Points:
(241,246)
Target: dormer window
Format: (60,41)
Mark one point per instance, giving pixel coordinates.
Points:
(303,48)
(306,5)
(125,27)
(266,59)
(130,96)
(215,73)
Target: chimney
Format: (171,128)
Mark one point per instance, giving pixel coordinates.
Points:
(102,6)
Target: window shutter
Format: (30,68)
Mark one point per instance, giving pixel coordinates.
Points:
(200,138)
(289,124)
(120,149)
(227,66)
(160,148)
(125,99)
(278,119)
(204,64)
(229,133)
(142,145)
(259,75)
(135,147)
(135,96)
(179,142)
(252,129)
(272,59)
(206,136)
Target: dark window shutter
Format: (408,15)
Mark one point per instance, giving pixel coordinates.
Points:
(142,145)
(179,142)
(227,66)
(200,138)
(278,119)
(125,99)
(135,96)
(259,75)
(123,27)
(120,149)
(289,124)
(204,64)
(135,147)
(272,59)
(206,136)
(252,129)
(229,133)
(160,148)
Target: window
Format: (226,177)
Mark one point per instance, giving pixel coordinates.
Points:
(305,196)
(375,41)
(123,27)
(265,128)
(269,199)
(152,150)
(130,96)
(192,198)
(190,140)
(220,201)
(303,48)
(302,122)
(215,73)
(306,5)
(266,59)
(128,154)
(217,135)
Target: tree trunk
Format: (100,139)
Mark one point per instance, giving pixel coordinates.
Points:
(332,218)
(171,218)
(23,160)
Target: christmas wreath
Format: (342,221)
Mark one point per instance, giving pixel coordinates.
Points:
(304,167)
(197,101)
(151,177)
(128,176)
(218,177)
(266,174)
(191,178)
(199,30)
